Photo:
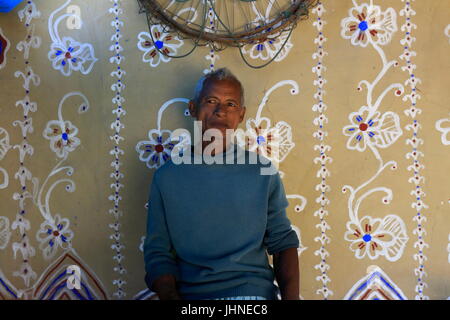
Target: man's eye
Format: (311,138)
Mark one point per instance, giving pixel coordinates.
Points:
(230,104)
(211,101)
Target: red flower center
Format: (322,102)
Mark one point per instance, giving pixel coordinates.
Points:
(55,233)
(159,148)
(67,55)
(363,127)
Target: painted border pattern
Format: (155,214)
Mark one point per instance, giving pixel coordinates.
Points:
(414,141)
(376,285)
(117,87)
(21,223)
(320,107)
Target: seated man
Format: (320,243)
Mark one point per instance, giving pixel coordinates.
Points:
(210,225)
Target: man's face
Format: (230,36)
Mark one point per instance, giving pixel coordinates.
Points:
(220,105)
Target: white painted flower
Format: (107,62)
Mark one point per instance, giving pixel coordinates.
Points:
(54,234)
(157,150)
(374,237)
(164,44)
(366,24)
(274,143)
(267,48)
(368,128)
(69,55)
(62,136)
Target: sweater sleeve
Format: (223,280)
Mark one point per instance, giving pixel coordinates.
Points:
(279,234)
(158,251)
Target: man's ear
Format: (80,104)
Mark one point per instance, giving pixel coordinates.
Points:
(192,108)
(242,114)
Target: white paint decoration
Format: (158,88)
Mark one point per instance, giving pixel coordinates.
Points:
(156,151)
(55,232)
(275,142)
(376,285)
(116,186)
(5,232)
(29,12)
(67,54)
(212,56)
(24,148)
(322,158)
(31,41)
(414,141)
(4,147)
(62,133)
(369,129)
(163,41)
(4,49)
(267,49)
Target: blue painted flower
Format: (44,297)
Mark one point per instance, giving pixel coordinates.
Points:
(369,128)
(157,150)
(164,44)
(368,24)
(368,238)
(70,55)
(62,136)
(54,234)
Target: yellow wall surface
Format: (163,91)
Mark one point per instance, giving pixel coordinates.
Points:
(361,90)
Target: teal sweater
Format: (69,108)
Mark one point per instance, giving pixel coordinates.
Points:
(210,226)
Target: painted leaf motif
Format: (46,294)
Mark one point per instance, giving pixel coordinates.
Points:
(395,226)
(285,135)
(5,233)
(4,143)
(389,26)
(389,130)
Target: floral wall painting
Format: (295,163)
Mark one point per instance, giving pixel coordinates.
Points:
(273,142)
(157,46)
(91,108)
(369,129)
(4,47)
(67,54)
(276,46)
(160,144)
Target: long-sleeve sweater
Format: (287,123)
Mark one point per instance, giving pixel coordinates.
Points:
(212,225)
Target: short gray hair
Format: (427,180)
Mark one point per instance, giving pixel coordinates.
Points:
(219,74)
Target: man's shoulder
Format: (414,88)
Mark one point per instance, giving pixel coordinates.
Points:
(165,168)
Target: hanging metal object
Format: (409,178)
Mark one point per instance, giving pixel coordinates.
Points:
(226,23)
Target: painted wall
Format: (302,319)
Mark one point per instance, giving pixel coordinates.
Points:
(361,93)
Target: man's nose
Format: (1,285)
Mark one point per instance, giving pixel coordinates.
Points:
(220,109)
